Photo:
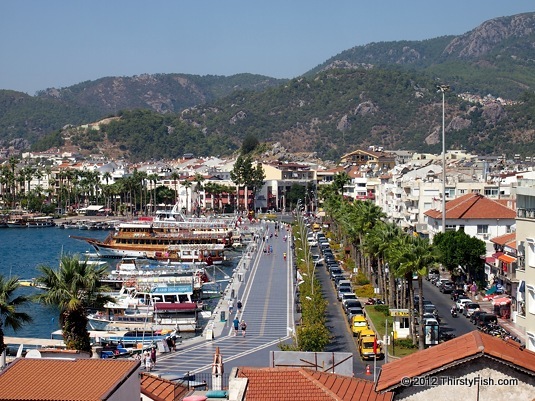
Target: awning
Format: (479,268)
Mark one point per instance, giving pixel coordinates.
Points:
(506,258)
(501,301)
(522,287)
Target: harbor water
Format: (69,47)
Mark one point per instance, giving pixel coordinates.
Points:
(23,249)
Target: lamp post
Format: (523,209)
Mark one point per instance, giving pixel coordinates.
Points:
(443,89)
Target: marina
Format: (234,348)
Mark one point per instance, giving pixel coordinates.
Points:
(31,248)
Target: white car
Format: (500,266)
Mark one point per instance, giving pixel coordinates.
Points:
(461,302)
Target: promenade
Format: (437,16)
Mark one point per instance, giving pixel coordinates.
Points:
(264,284)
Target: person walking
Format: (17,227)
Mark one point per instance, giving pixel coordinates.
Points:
(243,327)
(239,305)
(148,362)
(230,306)
(153,356)
(236,323)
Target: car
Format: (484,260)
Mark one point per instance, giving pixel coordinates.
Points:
(456,293)
(447,287)
(469,308)
(349,295)
(461,302)
(344,290)
(485,319)
(351,303)
(434,274)
(358,323)
(354,311)
(341,282)
(425,316)
(475,316)
(439,282)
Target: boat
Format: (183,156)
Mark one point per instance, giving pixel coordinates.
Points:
(30,220)
(40,222)
(160,302)
(170,237)
(129,270)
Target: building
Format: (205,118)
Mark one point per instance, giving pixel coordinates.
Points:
(77,379)
(475,366)
(525,273)
(476,214)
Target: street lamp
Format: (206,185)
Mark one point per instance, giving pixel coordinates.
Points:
(443,89)
(316,263)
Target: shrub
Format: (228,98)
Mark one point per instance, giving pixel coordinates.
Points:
(365,291)
(404,343)
(383,309)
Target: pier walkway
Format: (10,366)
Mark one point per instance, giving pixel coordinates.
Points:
(264,284)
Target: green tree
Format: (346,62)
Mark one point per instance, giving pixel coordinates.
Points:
(10,316)
(73,288)
(249,144)
(461,253)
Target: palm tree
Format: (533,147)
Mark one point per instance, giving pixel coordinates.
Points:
(187,184)
(175,177)
(199,179)
(73,288)
(9,303)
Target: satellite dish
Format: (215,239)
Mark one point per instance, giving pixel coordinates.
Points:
(33,354)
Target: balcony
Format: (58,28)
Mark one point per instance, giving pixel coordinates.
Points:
(525,213)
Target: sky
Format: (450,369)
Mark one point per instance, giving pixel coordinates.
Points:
(58,43)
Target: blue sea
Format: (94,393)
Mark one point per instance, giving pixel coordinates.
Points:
(23,249)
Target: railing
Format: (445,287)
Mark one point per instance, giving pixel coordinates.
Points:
(525,213)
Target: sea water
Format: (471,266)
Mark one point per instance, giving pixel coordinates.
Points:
(24,249)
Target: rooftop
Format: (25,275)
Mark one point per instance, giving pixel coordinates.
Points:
(473,206)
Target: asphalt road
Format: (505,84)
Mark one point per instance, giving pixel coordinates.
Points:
(342,337)
(448,324)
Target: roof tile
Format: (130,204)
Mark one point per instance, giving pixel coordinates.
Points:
(439,357)
(48,378)
(306,384)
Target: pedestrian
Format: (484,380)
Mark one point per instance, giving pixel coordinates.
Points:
(230,306)
(243,327)
(239,305)
(153,356)
(148,362)
(236,323)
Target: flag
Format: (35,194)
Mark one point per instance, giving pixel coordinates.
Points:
(375,345)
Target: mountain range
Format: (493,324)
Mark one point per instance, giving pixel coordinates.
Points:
(382,94)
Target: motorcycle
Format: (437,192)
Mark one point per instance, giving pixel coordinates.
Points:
(374,301)
(453,312)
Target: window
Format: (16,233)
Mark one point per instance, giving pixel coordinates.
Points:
(530,252)
(530,301)
(508,229)
(482,228)
(450,192)
(491,191)
(450,227)
(462,191)
(404,323)
(461,227)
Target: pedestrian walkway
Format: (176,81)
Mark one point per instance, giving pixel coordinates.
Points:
(507,324)
(264,284)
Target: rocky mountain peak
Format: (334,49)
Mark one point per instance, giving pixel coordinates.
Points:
(485,37)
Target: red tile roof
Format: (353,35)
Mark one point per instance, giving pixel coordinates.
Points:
(160,389)
(453,352)
(473,206)
(306,384)
(504,239)
(57,379)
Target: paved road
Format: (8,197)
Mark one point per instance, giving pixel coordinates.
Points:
(268,308)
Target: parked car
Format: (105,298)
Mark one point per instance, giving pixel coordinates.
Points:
(469,308)
(485,319)
(341,282)
(461,302)
(433,274)
(447,287)
(358,323)
(350,303)
(475,316)
(344,290)
(354,311)
(439,282)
